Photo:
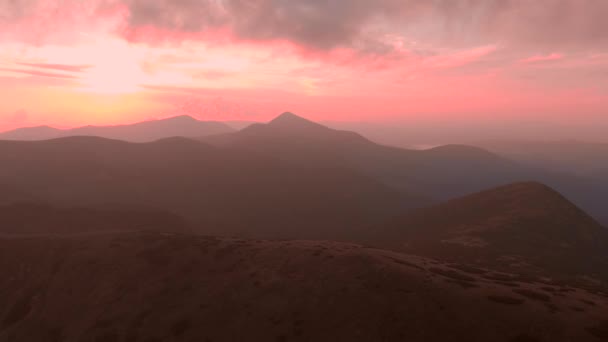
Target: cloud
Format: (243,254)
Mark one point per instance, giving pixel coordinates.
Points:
(38,73)
(60,67)
(328,24)
(460,58)
(542,58)
(323,25)
(39,22)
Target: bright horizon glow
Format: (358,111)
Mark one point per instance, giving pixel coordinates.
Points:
(68,63)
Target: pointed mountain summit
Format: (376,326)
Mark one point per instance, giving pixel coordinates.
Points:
(180,118)
(288,125)
(289,120)
(519,225)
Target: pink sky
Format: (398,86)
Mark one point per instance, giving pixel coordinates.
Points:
(71,62)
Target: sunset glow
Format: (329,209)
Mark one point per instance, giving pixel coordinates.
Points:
(67,63)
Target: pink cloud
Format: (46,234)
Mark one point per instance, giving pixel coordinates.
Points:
(542,58)
(38,73)
(60,67)
(460,58)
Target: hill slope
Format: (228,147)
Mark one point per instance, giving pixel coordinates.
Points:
(521,226)
(158,287)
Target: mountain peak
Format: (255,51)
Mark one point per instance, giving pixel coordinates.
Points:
(288,115)
(289,122)
(289,119)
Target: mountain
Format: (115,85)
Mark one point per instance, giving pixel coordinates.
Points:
(436,174)
(33,133)
(303,142)
(219,190)
(173,287)
(520,227)
(285,133)
(37,218)
(179,126)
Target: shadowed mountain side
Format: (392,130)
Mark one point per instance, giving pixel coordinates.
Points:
(36,219)
(520,227)
(158,287)
(440,173)
(179,126)
(221,190)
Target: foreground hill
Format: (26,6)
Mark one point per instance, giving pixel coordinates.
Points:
(439,174)
(523,227)
(223,191)
(159,287)
(146,131)
(37,219)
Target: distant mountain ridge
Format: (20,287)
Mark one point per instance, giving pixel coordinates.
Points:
(145,131)
(333,181)
(583,158)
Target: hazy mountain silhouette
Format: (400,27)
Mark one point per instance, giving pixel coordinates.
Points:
(439,173)
(179,126)
(221,190)
(521,227)
(301,141)
(160,287)
(286,133)
(582,158)
(290,178)
(33,133)
(37,218)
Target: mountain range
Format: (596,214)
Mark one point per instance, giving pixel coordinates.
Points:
(292,231)
(219,190)
(147,131)
(421,173)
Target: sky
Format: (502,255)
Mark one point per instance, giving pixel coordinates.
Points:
(68,63)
